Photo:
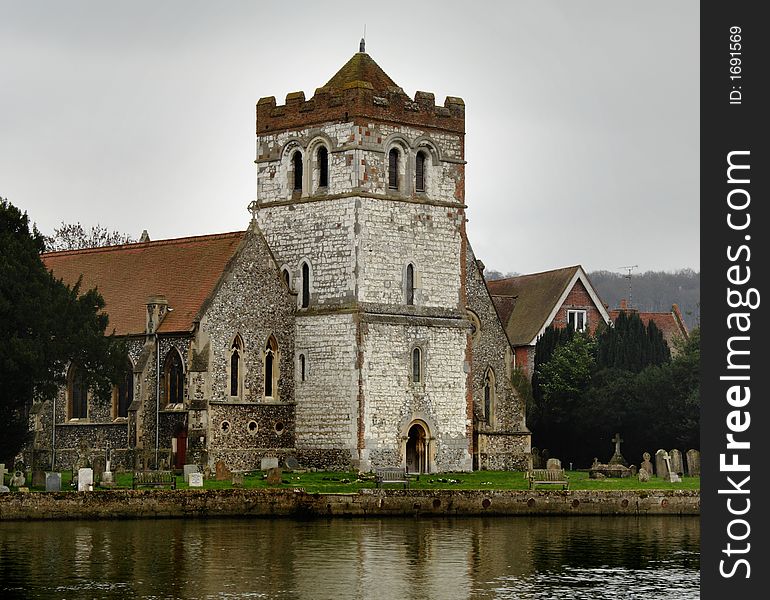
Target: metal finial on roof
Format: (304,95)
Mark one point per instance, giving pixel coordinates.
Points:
(253,208)
(362,45)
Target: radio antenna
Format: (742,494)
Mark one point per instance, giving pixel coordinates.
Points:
(630,270)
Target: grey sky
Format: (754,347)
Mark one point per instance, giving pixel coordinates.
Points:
(582,117)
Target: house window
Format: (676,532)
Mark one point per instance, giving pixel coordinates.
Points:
(296,161)
(125,391)
(489,394)
(78,394)
(173,377)
(577,319)
(323,167)
(393,169)
(305,285)
(236,361)
(416,365)
(410,284)
(271,369)
(302,366)
(419,180)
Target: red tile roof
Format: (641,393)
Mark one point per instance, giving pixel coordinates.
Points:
(671,324)
(184,270)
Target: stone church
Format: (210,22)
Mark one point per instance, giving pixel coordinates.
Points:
(349,326)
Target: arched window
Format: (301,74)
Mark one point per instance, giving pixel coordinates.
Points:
(296,161)
(305,285)
(409,284)
(323,167)
(489,395)
(125,391)
(78,394)
(416,365)
(419,168)
(302,366)
(393,169)
(173,378)
(236,372)
(286,277)
(271,369)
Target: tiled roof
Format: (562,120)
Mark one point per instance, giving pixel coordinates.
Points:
(184,270)
(361,68)
(525,302)
(671,324)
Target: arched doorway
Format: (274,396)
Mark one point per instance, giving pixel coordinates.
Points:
(179,447)
(417,449)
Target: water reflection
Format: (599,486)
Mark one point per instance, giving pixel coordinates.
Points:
(528,558)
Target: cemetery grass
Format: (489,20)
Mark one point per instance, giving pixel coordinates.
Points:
(352,482)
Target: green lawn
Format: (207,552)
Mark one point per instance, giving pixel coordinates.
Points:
(336,482)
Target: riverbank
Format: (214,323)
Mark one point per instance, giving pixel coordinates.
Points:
(149,504)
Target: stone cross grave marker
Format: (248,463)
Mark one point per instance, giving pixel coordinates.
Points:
(18,480)
(693,463)
(660,465)
(617,457)
(3,471)
(53,482)
(85,479)
(195,479)
(672,476)
(676,462)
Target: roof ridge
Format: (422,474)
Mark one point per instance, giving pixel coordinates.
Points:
(578,266)
(151,243)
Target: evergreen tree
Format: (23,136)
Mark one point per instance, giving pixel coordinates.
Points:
(44,326)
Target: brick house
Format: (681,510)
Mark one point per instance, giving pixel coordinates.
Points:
(348,326)
(527,304)
(671,324)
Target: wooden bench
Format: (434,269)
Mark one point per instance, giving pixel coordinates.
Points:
(547,477)
(153,479)
(391,475)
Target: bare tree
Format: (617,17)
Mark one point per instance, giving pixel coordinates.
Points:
(72,236)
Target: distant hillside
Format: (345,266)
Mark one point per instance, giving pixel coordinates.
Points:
(653,291)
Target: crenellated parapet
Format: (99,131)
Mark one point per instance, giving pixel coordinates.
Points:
(358,100)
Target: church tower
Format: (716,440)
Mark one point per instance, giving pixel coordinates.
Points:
(360,196)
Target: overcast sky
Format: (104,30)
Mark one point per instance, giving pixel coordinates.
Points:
(582,117)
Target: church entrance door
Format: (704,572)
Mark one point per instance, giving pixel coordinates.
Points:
(417,450)
(180,449)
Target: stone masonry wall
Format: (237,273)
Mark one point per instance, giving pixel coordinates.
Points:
(393,401)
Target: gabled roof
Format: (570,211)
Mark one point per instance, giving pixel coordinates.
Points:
(528,303)
(184,270)
(361,68)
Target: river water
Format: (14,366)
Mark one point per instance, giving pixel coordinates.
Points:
(655,558)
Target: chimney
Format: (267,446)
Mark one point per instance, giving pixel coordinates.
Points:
(145,237)
(623,304)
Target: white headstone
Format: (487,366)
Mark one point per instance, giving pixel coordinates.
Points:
(85,480)
(3,471)
(190,469)
(53,482)
(195,479)
(268,462)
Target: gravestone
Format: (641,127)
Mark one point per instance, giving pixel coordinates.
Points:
(672,475)
(553,464)
(85,480)
(18,480)
(676,462)
(84,454)
(646,464)
(237,479)
(291,463)
(107,479)
(537,461)
(99,464)
(633,469)
(274,476)
(222,472)
(617,457)
(661,470)
(53,482)
(3,472)
(4,489)
(195,479)
(268,462)
(644,476)
(38,478)
(190,469)
(693,463)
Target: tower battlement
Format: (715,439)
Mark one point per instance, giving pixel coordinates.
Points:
(360,90)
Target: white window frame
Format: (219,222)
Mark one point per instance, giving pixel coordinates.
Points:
(576,312)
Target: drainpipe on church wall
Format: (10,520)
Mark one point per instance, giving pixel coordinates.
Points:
(53,436)
(157,397)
